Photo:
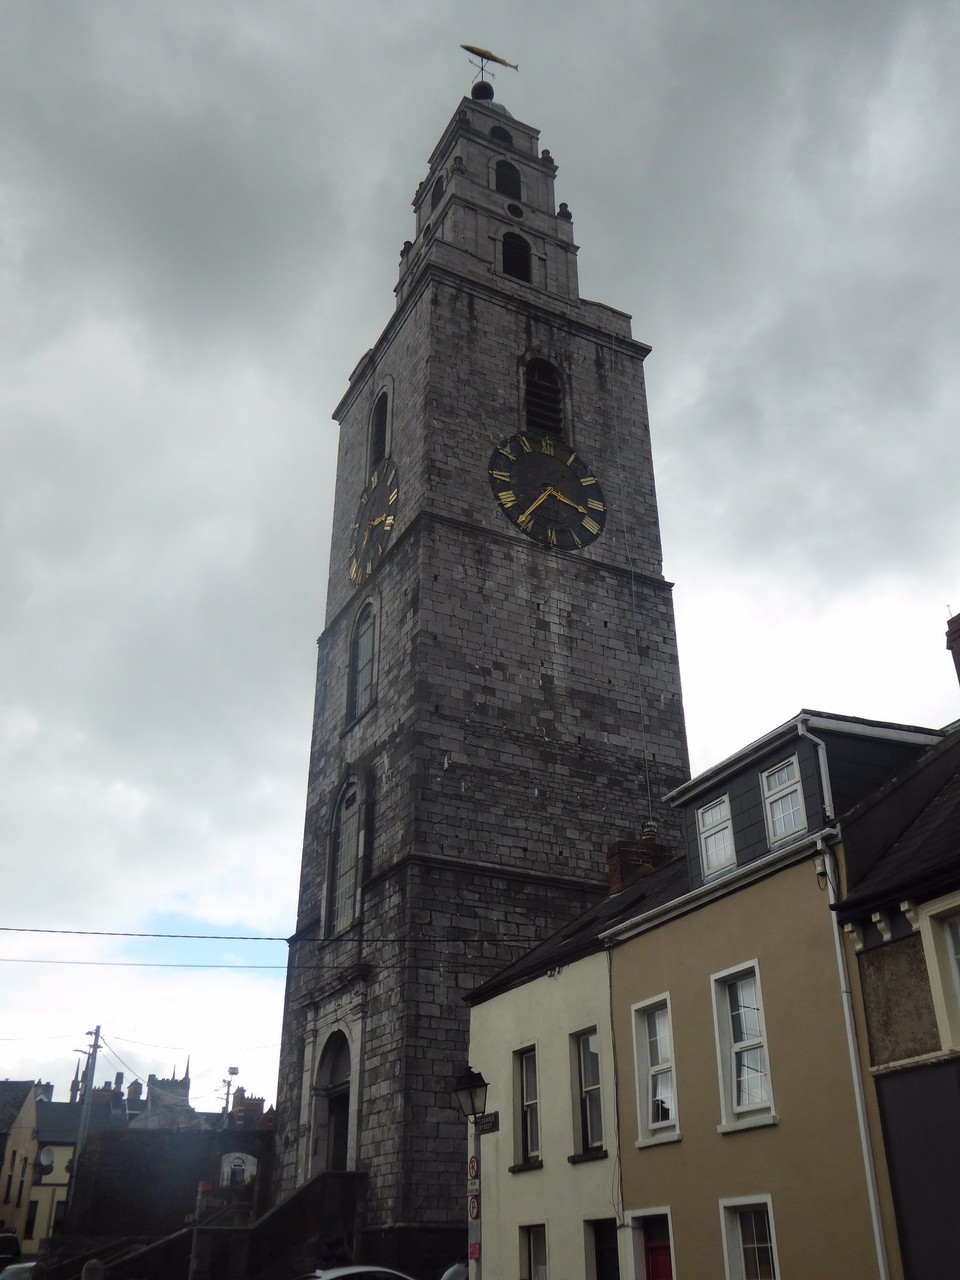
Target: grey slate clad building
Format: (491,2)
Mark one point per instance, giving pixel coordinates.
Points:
(902,908)
(498,693)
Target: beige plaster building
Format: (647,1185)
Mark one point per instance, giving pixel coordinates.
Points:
(715,988)
(745,1130)
(541,1036)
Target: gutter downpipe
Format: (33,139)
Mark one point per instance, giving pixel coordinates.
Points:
(846,999)
(869,1166)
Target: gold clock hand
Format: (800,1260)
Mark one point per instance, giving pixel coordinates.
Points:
(547,491)
(570,503)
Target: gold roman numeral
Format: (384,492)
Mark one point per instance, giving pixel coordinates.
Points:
(595,504)
(500,475)
(551,537)
(525,445)
(393,497)
(590,525)
(588,480)
(507,497)
(506,453)
(388,523)
(546,446)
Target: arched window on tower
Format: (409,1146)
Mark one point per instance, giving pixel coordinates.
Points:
(499,134)
(436,195)
(378,431)
(544,398)
(363,651)
(345,849)
(516,257)
(507,180)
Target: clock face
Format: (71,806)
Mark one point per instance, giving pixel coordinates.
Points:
(546,489)
(373,527)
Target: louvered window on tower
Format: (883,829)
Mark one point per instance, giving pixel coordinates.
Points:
(516,257)
(378,431)
(544,398)
(507,179)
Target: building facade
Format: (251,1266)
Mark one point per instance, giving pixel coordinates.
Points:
(741,1114)
(900,861)
(497,685)
(717,981)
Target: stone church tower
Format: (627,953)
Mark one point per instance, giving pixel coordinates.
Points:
(498,694)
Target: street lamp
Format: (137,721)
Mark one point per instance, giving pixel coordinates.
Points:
(471,1090)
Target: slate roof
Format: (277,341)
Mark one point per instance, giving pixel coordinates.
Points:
(13,1094)
(58,1123)
(582,936)
(904,841)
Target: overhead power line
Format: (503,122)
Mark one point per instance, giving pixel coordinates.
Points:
(117,933)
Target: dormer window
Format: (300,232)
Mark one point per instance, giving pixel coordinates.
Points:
(507,180)
(715,837)
(544,397)
(783,801)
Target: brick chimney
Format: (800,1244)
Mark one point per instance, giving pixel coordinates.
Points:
(953,640)
(629,858)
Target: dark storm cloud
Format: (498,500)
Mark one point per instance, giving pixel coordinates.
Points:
(201,211)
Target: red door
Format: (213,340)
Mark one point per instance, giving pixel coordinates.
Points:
(657,1260)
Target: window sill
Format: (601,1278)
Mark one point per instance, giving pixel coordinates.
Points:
(658,1139)
(526,1166)
(584,1157)
(750,1122)
(352,723)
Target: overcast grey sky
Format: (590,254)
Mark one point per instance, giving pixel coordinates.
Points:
(201,211)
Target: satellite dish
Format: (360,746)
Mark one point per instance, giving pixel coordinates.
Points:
(45,1159)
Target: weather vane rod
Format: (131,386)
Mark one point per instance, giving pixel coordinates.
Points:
(486,56)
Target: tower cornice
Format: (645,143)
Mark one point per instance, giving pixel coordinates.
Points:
(583,317)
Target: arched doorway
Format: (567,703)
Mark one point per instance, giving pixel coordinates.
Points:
(332,1108)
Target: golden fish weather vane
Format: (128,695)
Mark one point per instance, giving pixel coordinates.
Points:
(486,56)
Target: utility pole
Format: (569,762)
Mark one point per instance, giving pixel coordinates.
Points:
(90,1075)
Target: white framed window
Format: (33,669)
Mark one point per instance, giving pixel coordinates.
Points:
(533,1253)
(590,1107)
(527,1106)
(783,800)
(940,933)
(746,1093)
(657,1119)
(749,1239)
(715,837)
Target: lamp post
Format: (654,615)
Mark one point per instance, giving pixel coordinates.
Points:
(471,1090)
